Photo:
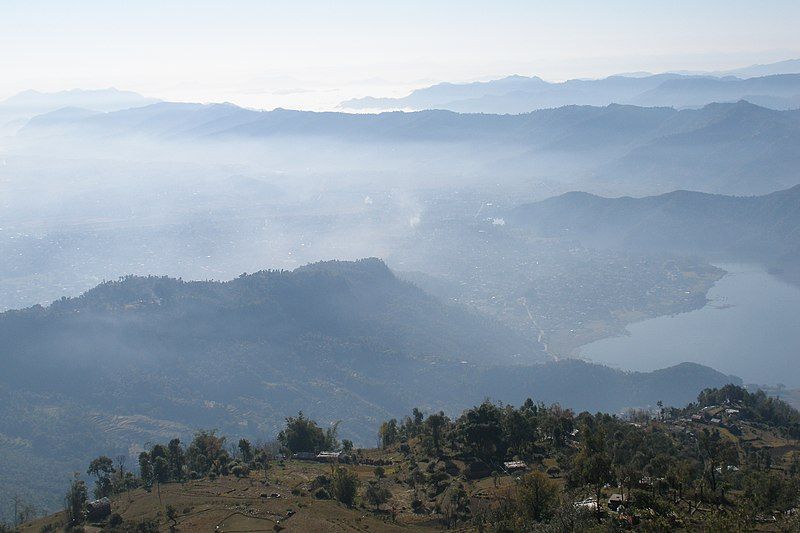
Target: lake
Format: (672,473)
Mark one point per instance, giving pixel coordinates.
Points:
(750,328)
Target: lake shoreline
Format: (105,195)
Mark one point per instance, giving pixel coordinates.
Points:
(746,329)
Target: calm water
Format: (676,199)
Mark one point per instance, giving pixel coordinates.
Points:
(751,328)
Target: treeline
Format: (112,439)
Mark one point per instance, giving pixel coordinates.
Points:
(665,471)
(756,406)
(660,468)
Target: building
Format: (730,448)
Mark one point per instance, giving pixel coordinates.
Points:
(304,456)
(515,465)
(615,501)
(98,509)
(328,457)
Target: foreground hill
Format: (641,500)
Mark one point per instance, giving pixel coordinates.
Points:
(763,228)
(143,359)
(728,462)
(732,148)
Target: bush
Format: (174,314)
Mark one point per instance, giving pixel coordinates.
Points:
(376,494)
(344,485)
(239,471)
(320,481)
(115,520)
(536,497)
(322,494)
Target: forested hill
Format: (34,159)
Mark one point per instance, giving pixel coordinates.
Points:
(351,315)
(148,358)
(745,228)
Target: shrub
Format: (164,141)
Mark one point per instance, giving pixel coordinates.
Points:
(344,485)
(239,471)
(376,494)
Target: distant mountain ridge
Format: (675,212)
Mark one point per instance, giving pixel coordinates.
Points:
(763,228)
(737,147)
(778,88)
(16,110)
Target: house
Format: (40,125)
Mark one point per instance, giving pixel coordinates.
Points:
(515,465)
(615,501)
(304,456)
(589,504)
(98,509)
(328,457)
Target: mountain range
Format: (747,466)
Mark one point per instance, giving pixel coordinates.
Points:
(16,110)
(735,148)
(520,94)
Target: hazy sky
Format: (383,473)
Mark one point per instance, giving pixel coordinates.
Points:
(313,53)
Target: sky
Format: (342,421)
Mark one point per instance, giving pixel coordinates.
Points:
(314,54)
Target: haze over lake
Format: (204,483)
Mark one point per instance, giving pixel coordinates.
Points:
(749,328)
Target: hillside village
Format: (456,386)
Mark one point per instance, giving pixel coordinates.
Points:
(728,462)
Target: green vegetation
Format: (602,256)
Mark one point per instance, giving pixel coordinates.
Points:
(730,461)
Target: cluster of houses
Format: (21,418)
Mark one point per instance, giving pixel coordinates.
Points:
(716,416)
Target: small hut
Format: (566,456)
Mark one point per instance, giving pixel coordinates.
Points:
(98,509)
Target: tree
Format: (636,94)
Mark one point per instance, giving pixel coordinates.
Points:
(481,431)
(102,468)
(434,426)
(172,516)
(347,446)
(520,428)
(344,485)
(245,450)
(536,497)
(145,469)
(593,463)
(177,459)
(205,450)
(379,472)
(388,433)
(75,500)
(25,512)
(160,473)
(302,435)
(715,452)
(376,494)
